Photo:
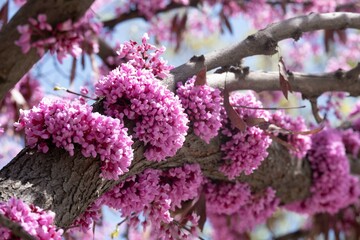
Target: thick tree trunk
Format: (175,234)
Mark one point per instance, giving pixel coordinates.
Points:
(67,185)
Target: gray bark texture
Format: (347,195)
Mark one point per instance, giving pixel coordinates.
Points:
(67,185)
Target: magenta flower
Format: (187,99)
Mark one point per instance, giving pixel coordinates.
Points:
(67,123)
(66,38)
(256,210)
(203,106)
(150,195)
(332,187)
(34,220)
(300,142)
(226,198)
(160,121)
(244,151)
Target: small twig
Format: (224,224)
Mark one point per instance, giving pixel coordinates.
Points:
(315,110)
(186,228)
(15,228)
(57,88)
(125,219)
(268,108)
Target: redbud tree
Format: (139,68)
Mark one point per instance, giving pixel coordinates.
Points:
(212,148)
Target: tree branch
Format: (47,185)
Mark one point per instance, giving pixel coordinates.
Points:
(15,228)
(264,42)
(310,85)
(67,185)
(15,64)
(136,14)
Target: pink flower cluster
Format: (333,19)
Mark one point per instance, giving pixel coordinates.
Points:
(351,140)
(67,124)
(134,193)
(333,104)
(26,94)
(333,187)
(256,209)
(153,194)
(226,198)
(87,218)
(354,117)
(160,121)
(181,183)
(143,56)
(244,151)
(202,105)
(34,220)
(301,143)
(298,53)
(174,231)
(66,38)
(345,56)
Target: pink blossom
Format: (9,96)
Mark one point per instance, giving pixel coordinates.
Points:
(244,151)
(333,104)
(152,194)
(300,142)
(226,198)
(162,30)
(183,183)
(67,123)
(34,220)
(345,56)
(144,56)
(351,140)
(66,38)
(160,121)
(333,187)
(256,210)
(87,218)
(25,94)
(299,52)
(133,194)
(202,105)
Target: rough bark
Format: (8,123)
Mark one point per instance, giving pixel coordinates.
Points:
(309,85)
(264,42)
(15,64)
(15,228)
(67,185)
